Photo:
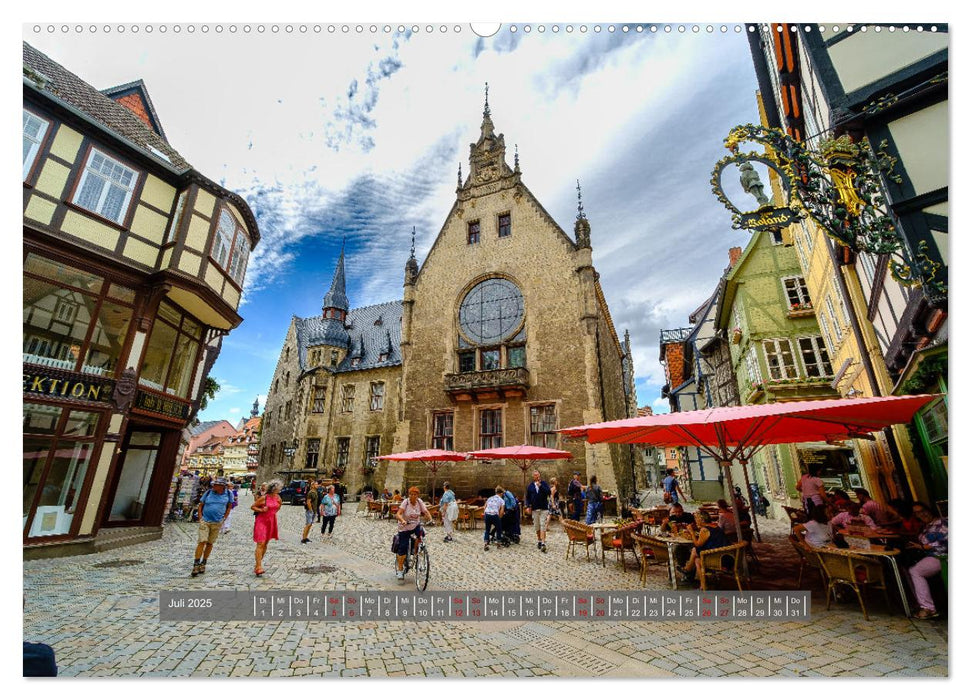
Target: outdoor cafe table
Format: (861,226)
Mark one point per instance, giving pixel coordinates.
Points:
(672,544)
(888,554)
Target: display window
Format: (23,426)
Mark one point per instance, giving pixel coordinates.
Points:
(171,352)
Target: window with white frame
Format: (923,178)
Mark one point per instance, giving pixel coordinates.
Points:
(815,357)
(837,328)
(347,398)
(174,226)
(797,292)
(230,249)
(752,366)
(824,327)
(779,358)
(843,311)
(542,425)
(35,129)
(106,187)
(377,396)
(442,431)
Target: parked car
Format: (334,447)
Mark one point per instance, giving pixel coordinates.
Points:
(295,492)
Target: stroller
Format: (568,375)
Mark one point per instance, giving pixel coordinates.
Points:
(511,531)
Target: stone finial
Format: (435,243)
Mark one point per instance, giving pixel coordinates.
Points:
(516,157)
(486,112)
(580,213)
(460,175)
(581,228)
(412,241)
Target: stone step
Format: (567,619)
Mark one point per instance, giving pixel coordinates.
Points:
(113,538)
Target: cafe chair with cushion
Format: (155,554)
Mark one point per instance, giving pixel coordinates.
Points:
(721,561)
(619,541)
(649,551)
(577,533)
(374,508)
(857,571)
(796,516)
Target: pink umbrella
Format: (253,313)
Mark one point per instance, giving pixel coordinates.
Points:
(432,459)
(523,455)
(737,432)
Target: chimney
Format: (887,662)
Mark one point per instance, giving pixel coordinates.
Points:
(733,255)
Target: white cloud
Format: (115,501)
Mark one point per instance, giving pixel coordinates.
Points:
(234,410)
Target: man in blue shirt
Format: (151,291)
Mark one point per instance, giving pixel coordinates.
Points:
(671,488)
(214,508)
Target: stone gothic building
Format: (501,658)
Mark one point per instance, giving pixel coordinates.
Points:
(502,337)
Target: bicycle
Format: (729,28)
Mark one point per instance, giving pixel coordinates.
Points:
(418,559)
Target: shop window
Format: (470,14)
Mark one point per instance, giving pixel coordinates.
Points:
(815,358)
(58,445)
(230,247)
(136,475)
(442,431)
(490,428)
(73,320)
(106,187)
(779,359)
(343,452)
(377,396)
(542,425)
(171,352)
(35,129)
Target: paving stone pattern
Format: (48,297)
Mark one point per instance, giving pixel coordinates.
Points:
(103,620)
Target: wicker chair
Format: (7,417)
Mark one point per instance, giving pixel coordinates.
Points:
(618,540)
(807,558)
(854,570)
(649,551)
(711,562)
(374,508)
(796,516)
(577,533)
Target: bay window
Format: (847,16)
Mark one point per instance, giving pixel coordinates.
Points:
(105,187)
(171,352)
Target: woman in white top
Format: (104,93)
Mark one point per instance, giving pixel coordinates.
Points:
(816,532)
(812,489)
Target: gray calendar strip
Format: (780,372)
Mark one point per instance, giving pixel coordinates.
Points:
(475,606)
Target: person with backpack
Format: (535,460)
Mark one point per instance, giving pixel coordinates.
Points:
(214,507)
(672,489)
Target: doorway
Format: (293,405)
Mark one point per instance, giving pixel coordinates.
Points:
(134,486)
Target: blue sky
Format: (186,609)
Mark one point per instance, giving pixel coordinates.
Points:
(358,136)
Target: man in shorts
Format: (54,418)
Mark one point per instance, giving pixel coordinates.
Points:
(214,508)
(310,510)
(538,503)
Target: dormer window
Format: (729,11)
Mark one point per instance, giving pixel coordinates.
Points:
(355,361)
(106,187)
(383,357)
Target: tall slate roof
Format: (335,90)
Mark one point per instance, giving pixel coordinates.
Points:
(69,88)
(369,332)
(336,296)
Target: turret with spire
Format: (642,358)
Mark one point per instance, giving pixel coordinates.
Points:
(335,300)
(487,156)
(256,408)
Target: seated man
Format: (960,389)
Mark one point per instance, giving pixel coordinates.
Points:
(880,514)
(705,537)
(676,517)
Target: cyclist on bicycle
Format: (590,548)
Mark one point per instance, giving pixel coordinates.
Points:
(410,513)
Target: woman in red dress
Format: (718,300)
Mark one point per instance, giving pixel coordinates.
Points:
(264,529)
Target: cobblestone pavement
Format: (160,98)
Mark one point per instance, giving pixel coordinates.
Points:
(103,620)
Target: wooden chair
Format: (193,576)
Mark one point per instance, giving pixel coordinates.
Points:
(807,558)
(711,562)
(646,549)
(577,533)
(611,540)
(854,570)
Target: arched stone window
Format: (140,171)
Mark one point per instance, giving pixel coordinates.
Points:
(492,332)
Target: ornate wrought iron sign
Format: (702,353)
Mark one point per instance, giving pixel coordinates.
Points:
(838,187)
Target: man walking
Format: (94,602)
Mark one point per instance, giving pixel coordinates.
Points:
(214,507)
(537,504)
(310,511)
(575,493)
(672,488)
(595,498)
(495,508)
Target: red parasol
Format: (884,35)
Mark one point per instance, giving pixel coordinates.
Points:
(430,458)
(523,455)
(737,432)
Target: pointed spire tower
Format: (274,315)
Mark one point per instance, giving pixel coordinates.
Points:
(487,156)
(335,300)
(256,408)
(582,227)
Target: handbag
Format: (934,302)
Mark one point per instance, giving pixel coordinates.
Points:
(394,543)
(453,511)
(667,497)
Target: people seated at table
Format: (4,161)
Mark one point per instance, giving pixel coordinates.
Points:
(879,513)
(726,518)
(386,495)
(921,558)
(816,532)
(705,537)
(910,525)
(676,518)
(849,514)
(812,489)
(396,497)
(839,498)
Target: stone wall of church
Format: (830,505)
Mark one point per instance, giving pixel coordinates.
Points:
(543,263)
(278,430)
